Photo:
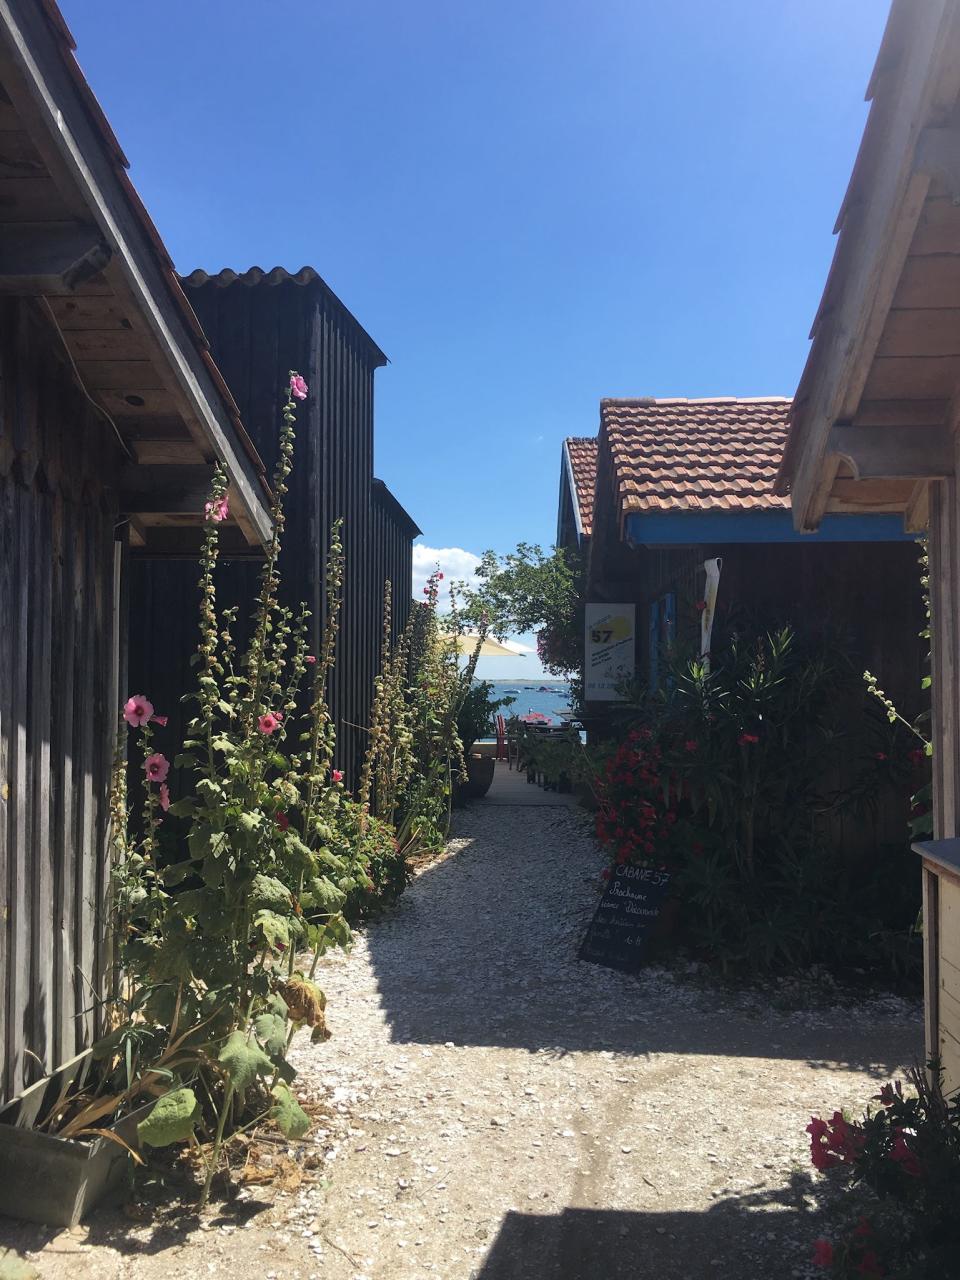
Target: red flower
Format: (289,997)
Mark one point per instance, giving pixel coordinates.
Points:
(137,710)
(822,1253)
(160,720)
(691,744)
(164,797)
(881,755)
(901,1154)
(863,1228)
(283,822)
(310,659)
(337,775)
(889,1094)
(298,388)
(746,739)
(701,605)
(269,722)
(870,1264)
(605,873)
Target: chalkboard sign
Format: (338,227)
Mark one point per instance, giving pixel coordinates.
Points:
(627,912)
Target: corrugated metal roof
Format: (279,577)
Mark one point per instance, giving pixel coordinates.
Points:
(253,277)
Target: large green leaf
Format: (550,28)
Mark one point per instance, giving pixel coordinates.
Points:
(171,1120)
(271,1031)
(275,928)
(244,1060)
(292,1120)
(270,893)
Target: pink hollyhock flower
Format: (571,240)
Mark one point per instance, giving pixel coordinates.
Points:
(298,388)
(746,739)
(218,510)
(157,767)
(269,722)
(283,822)
(160,720)
(822,1253)
(137,710)
(439,577)
(164,797)
(310,659)
(337,775)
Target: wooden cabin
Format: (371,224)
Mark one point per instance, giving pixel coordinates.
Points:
(680,483)
(260,324)
(874,423)
(112,415)
(578,480)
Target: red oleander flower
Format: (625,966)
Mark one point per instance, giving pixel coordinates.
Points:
(283,822)
(901,1154)
(822,1253)
(746,739)
(691,744)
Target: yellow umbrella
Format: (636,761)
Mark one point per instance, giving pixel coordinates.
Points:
(466,644)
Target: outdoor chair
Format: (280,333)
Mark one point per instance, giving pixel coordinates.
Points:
(501,738)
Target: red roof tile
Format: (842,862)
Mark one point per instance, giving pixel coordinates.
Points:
(582,456)
(696,455)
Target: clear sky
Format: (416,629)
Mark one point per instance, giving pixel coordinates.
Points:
(528,204)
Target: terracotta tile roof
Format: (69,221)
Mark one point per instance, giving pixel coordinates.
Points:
(696,455)
(582,456)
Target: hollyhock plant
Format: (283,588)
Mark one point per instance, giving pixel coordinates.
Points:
(337,775)
(164,797)
(298,388)
(269,722)
(157,767)
(217,510)
(160,720)
(137,711)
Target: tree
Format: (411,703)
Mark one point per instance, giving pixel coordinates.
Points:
(531,590)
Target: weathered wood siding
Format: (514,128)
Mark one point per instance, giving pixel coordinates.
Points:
(58,699)
(257,333)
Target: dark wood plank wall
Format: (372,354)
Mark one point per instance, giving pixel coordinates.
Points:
(257,334)
(393,541)
(58,698)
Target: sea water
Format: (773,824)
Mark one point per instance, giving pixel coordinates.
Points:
(550,703)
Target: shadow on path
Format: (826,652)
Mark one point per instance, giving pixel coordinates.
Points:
(482,950)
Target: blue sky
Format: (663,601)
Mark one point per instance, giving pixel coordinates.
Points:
(529,205)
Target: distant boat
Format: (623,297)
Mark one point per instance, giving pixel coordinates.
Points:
(544,689)
(511,691)
(528,688)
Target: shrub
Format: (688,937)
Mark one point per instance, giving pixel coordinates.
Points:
(905,1157)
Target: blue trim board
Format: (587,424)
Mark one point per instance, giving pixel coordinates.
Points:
(758,526)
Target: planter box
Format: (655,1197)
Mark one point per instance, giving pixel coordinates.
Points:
(54,1180)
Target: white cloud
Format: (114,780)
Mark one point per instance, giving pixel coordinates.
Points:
(456,565)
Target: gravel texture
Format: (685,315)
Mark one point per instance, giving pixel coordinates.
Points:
(494,1110)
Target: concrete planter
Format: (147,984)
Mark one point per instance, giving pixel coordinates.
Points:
(480,771)
(57,1181)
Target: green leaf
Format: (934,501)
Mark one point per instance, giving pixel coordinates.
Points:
(271,1031)
(269,893)
(177,873)
(244,1060)
(171,1120)
(251,820)
(183,808)
(292,1120)
(275,929)
(184,760)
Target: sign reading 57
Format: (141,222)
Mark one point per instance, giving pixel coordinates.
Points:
(609,650)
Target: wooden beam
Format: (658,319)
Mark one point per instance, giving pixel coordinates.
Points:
(165,490)
(49,258)
(916,516)
(938,155)
(165,452)
(52,108)
(182,543)
(874,243)
(894,453)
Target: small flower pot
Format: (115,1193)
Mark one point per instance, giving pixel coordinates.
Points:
(57,1181)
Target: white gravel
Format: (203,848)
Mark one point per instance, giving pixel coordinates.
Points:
(501,1111)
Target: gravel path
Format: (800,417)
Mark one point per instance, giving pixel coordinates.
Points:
(501,1112)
